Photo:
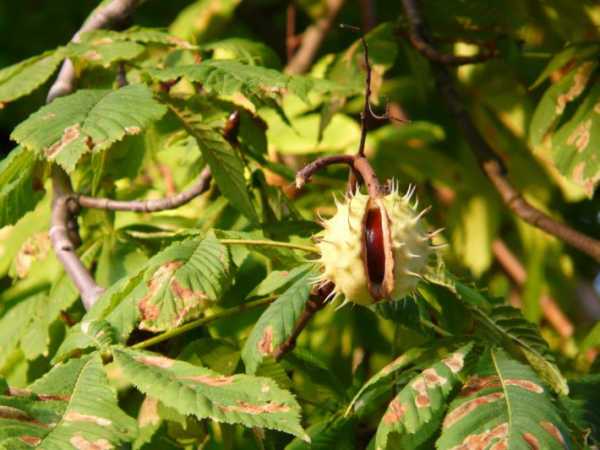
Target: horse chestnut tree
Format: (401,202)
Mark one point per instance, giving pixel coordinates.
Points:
(210,235)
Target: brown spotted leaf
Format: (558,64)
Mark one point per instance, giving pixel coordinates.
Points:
(504,405)
(575,144)
(556,99)
(88,120)
(242,399)
(415,413)
(181,282)
(71,407)
(277,322)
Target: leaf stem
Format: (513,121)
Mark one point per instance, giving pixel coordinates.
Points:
(268,243)
(204,321)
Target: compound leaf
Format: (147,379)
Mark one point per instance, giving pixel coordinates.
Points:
(189,389)
(88,120)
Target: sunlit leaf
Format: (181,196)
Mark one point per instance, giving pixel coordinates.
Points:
(413,415)
(72,406)
(244,399)
(506,405)
(277,322)
(89,120)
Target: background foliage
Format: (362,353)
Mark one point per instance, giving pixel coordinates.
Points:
(192,345)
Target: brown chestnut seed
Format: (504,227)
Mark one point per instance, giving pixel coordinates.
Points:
(374,248)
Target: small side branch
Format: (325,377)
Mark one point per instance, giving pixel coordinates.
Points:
(419,41)
(360,166)
(313,38)
(515,270)
(489,161)
(315,304)
(171,202)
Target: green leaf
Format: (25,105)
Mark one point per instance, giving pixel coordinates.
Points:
(85,334)
(504,405)
(278,279)
(180,282)
(507,325)
(72,406)
(513,327)
(35,340)
(220,355)
(415,413)
(225,163)
(135,34)
(16,321)
(248,52)
(88,120)
(17,192)
(243,399)
(277,322)
(104,52)
(592,339)
(336,433)
(24,77)
(476,221)
(576,52)
(575,144)
(203,19)
(385,377)
(582,402)
(302,137)
(557,98)
(261,86)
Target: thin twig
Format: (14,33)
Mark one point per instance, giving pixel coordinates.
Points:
(422,42)
(490,163)
(314,304)
(313,38)
(171,202)
(515,270)
(64,241)
(361,168)
(291,40)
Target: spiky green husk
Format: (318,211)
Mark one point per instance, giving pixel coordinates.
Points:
(341,247)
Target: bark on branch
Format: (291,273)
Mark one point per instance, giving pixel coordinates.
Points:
(515,270)
(171,202)
(63,241)
(422,43)
(490,163)
(314,304)
(313,38)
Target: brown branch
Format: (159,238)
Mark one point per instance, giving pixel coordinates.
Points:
(360,166)
(313,38)
(62,213)
(515,270)
(316,303)
(367,14)
(490,163)
(102,17)
(421,41)
(171,202)
(291,40)
(63,238)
